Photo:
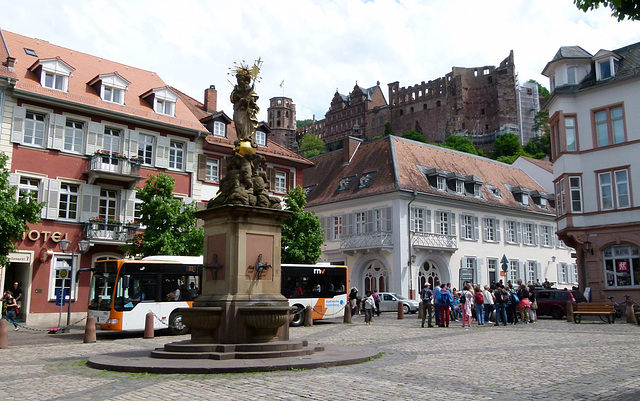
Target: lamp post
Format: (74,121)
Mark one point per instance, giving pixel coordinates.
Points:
(83,247)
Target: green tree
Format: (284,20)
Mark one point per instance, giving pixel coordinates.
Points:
(14,215)
(415,135)
(311,145)
(620,9)
(542,91)
(388,129)
(302,234)
(303,123)
(170,225)
(461,143)
(539,147)
(507,145)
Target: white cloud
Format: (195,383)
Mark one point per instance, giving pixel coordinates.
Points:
(317,46)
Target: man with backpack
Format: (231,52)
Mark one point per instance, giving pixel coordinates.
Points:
(427,307)
(436,301)
(445,300)
(502,296)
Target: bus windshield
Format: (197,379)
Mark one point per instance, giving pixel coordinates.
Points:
(102,285)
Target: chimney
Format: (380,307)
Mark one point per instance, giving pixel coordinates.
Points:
(211,99)
(11,62)
(349,147)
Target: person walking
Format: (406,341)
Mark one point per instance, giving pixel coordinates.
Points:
(478,302)
(465,304)
(534,305)
(369,306)
(525,304)
(376,298)
(12,307)
(436,301)
(427,307)
(488,304)
(445,300)
(501,296)
(512,305)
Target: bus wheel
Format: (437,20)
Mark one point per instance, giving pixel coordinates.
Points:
(298,316)
(176,327)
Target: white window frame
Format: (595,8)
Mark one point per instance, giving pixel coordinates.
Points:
(563,273)
(467,228)
(606,191)
(219,129)
(491,229)
(36,124)
(546,239)
(32,185)
(280,186)
(511,231)
(177,155)
(570,133)
(359,222)
(417,218)
(212,170)
(530,271)
(164,106)
(441,183)
(622,186)
(337,227)
(74,136)
(459,187)
(261,138)
(55,81)
(575,192)
(72,261)
(528,234)
(512,273)
(599,63)
(69,197)
(146,148)
(109,94)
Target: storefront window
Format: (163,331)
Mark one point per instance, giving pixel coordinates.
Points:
(622,266)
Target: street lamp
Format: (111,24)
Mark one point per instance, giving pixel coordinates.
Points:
(83,247)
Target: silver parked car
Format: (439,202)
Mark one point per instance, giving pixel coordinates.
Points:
(389,303)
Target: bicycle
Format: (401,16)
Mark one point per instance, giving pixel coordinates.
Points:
(620,308)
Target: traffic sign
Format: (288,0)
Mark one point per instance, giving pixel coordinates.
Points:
(63,273)
(505,263)
(61,294)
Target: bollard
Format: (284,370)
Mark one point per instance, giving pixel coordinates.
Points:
(347,313)
(4,334)
(570,311)
(400,310)
(148,325)
(90,330)
(631,316)
(308,316)
(421,311)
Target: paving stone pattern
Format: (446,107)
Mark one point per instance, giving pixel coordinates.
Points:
(546,360)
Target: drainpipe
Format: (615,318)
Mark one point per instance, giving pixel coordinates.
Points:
(415,194)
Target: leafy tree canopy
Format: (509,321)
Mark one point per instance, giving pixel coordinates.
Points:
(620,9)
(542,91)
(388,129)
(14,215)
(461,143)
(302,234)
(539,147)
(170,225)
(311,145)
(507,145)
(415,135)
(304,123)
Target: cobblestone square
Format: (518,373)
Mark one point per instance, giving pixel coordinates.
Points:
(551,359)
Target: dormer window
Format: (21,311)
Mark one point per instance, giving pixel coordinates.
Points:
(459,187)
(442,183)
(111,87)
(605,64)
(605,69)
(261,138)
(54,73)
(163,100)
(219,129)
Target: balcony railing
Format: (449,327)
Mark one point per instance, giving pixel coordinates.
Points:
(434,241)
(367,240)
(112,165)
(109,231)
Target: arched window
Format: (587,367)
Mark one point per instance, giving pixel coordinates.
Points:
(376,277)
(622,266)
(428,273)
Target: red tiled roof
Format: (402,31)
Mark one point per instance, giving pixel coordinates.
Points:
(396,162)
(543,164)
(87,67)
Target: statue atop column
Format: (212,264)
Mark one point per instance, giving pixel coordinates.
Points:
(244,183)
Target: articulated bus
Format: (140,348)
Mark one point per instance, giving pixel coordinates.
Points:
(124,291)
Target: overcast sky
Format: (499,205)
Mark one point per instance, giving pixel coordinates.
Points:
(316,46)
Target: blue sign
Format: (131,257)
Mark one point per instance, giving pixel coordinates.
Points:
(60,296)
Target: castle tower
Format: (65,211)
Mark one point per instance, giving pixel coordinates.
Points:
(282,120)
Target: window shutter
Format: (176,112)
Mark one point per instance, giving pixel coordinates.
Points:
(519,232)
(538,270)
(53,198)
(463,262)
(485,229)
(574,273)
(14,181)
(387,219)
(129,202)
(94,137)
(412,219)
(497,230)
(223,168)
(535,235)
(348,224)
(202,167)
(134,138)
(191,157)
(476,228)
(162,155)
(479,271)
(17,131)
(369,222)
(463,226)
(453,223)
(57,124)
(438,229)
(325,222)
(553,237)
(292,179)
(90,201)
(271,173)
(558,272)
(521,274)
(427,225)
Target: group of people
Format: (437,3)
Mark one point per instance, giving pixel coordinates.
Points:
(370,304)
(11,300)
(511,304)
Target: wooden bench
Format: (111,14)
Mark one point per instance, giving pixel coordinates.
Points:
(595,308)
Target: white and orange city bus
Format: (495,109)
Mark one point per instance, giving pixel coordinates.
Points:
(123,291)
